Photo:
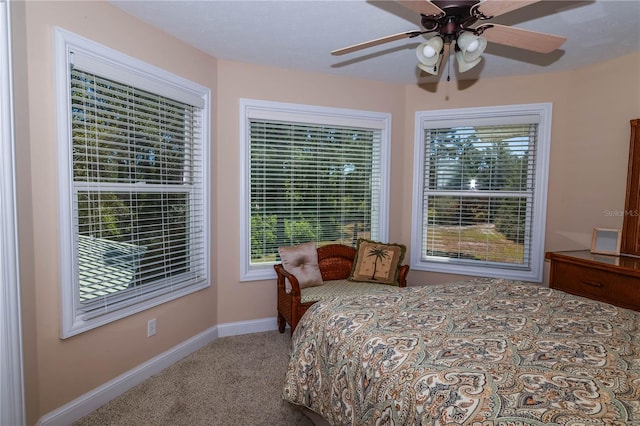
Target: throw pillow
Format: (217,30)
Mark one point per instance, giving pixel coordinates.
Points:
(302,261)
(377,262)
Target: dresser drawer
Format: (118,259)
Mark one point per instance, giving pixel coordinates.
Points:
(611,287)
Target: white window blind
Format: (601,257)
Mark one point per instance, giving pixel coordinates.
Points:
(137,198)
(479,194)
(311,181)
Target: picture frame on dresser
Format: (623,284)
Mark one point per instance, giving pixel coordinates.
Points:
(606,241)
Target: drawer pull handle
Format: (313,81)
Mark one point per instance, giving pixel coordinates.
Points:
(593,284)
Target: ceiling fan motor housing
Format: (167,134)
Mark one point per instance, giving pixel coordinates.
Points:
(458,17)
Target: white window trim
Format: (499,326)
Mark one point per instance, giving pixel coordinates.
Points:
(11,367)
(252,109)
(504,114)
(161,82)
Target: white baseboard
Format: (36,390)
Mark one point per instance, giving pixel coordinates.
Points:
(246,327)
(99,396)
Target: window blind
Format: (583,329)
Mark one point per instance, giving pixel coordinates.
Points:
(311,183)
(479,193)
(137,194)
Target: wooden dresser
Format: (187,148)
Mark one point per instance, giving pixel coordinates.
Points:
(611,279)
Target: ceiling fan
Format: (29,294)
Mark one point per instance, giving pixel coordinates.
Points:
(454,21)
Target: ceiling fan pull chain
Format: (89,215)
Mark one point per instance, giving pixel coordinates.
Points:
(449,64)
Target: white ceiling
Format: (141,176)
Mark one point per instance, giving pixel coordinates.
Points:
(300,34)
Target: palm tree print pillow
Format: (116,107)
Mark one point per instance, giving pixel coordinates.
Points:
(377,262)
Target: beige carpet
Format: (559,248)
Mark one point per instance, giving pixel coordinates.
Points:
(233,381)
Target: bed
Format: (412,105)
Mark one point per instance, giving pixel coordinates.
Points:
(480,352)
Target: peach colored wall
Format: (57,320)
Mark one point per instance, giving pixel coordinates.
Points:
(589,170)
(66,369)
(237,300)
(589,143)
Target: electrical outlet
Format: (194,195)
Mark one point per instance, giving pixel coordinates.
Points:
(151,327)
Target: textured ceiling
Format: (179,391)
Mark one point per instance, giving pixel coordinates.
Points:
(300,34)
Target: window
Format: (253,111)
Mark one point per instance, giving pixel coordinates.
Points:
(480,193)
(133,172)
(309,174)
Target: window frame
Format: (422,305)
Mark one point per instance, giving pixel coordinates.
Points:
(498,115)
(12,394)
(124,69)
(309,114)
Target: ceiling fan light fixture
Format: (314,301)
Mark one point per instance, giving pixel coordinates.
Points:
(465,65)
(429,53)
(471,46)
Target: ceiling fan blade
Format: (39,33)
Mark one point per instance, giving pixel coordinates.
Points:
(492,8)
(424,7)
(375,42)
(521,38)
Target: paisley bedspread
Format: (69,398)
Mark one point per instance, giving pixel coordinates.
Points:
(481,352)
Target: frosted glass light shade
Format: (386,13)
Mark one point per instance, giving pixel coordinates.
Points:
(463,64)
(433,69)
(471,46)
(428,53)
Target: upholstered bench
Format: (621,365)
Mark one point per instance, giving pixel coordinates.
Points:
(308,274)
